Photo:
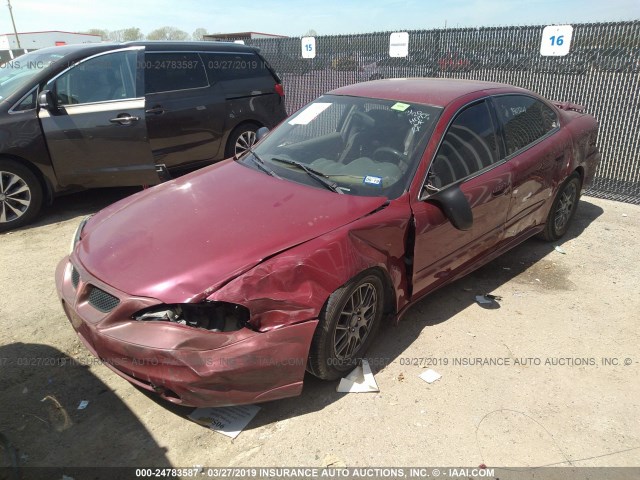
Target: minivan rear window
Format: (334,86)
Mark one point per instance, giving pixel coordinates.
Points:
(232,66)
(166,72)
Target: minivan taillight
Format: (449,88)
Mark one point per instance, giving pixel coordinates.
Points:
(280,89)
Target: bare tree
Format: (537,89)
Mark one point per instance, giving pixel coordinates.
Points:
(199,33)
(168,33)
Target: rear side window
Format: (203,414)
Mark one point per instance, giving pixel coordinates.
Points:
(524,119)
(103,78)
(167,72)
(234,66)
(469,146)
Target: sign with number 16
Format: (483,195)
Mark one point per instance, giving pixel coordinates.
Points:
(556,40)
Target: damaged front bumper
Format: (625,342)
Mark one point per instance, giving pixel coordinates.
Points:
(183,364)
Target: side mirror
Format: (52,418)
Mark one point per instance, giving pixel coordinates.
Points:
(455,206)
(46,100)
(261,133)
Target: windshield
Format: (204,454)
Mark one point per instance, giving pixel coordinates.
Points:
(15,73)
(357,146)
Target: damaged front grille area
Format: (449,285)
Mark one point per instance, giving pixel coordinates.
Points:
(212,316)
(101,300)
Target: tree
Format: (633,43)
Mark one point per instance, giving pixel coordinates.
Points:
(132,34)
(104,34)
(168,33)
(311,33)
(199,33)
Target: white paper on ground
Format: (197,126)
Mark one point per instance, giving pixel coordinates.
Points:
(430,376)
(359,380)
(229,421)
(482,300)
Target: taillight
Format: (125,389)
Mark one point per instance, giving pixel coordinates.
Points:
(280,89)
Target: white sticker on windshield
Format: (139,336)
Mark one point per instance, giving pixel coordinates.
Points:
(371,180)
(309,113)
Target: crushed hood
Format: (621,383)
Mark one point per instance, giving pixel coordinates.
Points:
(185,238)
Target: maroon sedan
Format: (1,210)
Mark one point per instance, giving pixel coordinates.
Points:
(224,286)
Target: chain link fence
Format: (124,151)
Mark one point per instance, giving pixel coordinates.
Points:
(601,72)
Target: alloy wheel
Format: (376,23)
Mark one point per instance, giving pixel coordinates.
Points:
(355,321)
(565,206)
(245,141)
(15,197)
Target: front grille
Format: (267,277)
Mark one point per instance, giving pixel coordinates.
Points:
(75,277)
(101,300)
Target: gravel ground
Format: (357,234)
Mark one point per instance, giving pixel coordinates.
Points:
(563,388)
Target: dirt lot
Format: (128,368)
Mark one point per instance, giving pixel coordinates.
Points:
(550,401)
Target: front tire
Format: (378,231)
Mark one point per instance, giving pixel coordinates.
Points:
(20,195)
(348,323)
(241,138)
(563,209)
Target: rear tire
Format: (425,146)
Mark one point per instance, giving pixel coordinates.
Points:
(348,324)
(563,209)
(20,195)
(240,139)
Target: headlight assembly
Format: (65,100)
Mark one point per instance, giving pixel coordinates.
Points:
(212,316)
(78,233)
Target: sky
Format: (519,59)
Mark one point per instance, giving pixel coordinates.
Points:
(295,18)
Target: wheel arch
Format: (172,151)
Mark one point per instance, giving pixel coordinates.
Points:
(241,123)
(45,184)
(294,286)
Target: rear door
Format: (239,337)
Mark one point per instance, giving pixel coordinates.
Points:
(468,156)
(537,150)
(96,133)
(185,115)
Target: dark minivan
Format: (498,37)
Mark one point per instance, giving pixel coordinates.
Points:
(104,115)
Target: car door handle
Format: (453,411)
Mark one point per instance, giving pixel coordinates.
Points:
(155,111)
(125,120)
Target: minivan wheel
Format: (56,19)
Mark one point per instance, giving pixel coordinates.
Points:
(563,209)
(242,138)
(348,323)
(20,195)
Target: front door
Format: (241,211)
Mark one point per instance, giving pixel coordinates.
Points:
(96,131)
(468,157)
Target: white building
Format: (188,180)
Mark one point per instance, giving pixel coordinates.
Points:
(34,40)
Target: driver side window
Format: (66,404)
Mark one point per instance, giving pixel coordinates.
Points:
(470,145)
(103,78)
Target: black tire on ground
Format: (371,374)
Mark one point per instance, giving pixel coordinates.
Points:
(242,137)
(563,209)
(20,195)
(348,324)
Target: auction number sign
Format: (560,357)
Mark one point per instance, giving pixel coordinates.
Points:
(556,40)
(308,47)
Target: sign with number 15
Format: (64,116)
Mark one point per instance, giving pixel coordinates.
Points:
(556,40)
(308,47)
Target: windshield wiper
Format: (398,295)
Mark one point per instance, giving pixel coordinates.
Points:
(258,162)
(315,174)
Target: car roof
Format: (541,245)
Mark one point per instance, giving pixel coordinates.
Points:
(87,49)
(430,91)
(189,46)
